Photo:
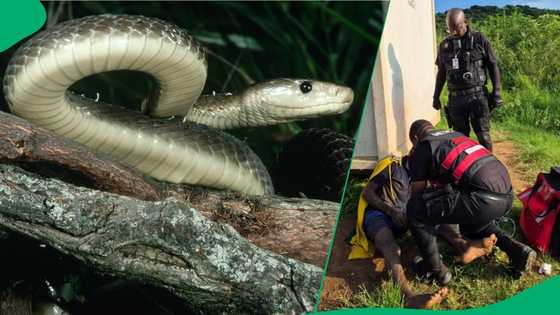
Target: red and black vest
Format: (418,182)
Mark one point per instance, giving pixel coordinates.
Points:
(455,157)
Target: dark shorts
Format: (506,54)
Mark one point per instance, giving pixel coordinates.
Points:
(375,220)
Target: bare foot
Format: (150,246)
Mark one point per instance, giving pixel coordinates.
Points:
(478,248)
(426,301)
(378,264)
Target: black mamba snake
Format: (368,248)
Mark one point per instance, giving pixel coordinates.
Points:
(186,148)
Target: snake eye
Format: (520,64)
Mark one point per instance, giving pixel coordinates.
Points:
(306,87)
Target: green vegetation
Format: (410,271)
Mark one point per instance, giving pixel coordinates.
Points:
(537,149)
(387,294)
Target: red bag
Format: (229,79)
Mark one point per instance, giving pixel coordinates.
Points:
(541,205)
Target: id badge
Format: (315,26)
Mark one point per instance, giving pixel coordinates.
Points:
(455,62)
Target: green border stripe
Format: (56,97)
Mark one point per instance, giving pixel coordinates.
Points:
(368,96)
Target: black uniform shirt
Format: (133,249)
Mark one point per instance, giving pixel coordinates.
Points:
(490,63)
(489,55)
(492,176)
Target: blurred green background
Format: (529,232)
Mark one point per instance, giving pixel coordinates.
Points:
(249,42)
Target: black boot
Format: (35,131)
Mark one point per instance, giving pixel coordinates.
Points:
(425,237)
(430,264)
(442,276)
(521,256)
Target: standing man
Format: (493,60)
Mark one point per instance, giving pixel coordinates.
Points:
(462,60)
(473,190)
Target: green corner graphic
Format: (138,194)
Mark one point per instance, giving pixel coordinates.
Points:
(19,19)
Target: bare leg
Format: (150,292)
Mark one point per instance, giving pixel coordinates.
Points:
(469,250)
(385,242)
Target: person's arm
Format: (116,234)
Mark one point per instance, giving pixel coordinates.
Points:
(420,162)
(370,195)
(440,82)
(372,198)
(493,71)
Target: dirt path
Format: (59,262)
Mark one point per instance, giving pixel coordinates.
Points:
(345,278)
(506,152)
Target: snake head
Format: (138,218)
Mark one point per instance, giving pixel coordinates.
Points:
(286,100)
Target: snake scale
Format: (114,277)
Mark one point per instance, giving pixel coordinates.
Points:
(178,137)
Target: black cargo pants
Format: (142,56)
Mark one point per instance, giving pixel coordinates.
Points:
(471,109)
(474,211)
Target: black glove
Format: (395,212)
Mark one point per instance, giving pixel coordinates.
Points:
(495,100)
(436,104)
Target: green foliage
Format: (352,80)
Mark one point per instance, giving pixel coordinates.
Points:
(532,107)
(354,188)
(527,48)
(478,13)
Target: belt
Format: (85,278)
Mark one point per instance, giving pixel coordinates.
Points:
(466,91)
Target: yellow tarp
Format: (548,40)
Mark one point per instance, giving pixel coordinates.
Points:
(361,249)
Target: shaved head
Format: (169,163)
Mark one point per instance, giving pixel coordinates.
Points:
(419,129)
(456,22)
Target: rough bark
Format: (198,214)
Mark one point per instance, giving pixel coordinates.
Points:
(294,227)
(166,244)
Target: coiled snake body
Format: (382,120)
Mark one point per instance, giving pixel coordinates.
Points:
(186,149)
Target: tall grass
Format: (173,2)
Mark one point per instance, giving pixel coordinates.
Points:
(528,49)
(386,295)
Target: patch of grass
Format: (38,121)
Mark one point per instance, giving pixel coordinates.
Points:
(538,149)
(532,105)
(387,294)
(480,283)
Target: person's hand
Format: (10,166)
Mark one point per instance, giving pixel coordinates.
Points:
(436,104)
(495,100)
(399,218)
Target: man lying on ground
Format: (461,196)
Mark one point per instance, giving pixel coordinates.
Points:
(387,194)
